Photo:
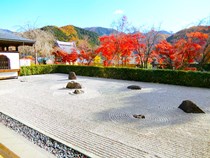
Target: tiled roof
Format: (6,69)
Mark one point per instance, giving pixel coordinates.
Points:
(9,36)
(66,46)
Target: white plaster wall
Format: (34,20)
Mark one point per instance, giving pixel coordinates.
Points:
(8,74)
(14,59)
(25,62)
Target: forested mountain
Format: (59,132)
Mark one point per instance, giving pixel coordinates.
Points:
(183,33)
(92,36)
(164,34)
(57,32)
(101,30)
(72,33)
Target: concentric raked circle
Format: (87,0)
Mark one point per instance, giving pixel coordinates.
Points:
(158,116)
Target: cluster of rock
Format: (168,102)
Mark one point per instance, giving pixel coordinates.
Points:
(56,148)
(74,85)
(187,105)
(136,87)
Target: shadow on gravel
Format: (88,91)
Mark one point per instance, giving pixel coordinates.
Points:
(160,109)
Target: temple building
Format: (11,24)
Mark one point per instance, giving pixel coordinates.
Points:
(63,47)
(9,55)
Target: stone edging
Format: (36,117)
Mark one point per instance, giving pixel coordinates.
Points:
(56,148)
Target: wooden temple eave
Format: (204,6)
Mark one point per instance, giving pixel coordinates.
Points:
(7,43)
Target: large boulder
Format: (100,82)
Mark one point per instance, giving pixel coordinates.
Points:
(73,85)
(72,76)
(190,107)
(134,87)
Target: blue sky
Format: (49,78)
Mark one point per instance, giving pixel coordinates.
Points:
(170,15)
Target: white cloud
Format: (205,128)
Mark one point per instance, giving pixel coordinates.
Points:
(118,11)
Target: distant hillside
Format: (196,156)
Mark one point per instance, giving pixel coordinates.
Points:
(101,31)
(72,33)
(57,32)
(165,32)
(183,33)
(163,35)
(93,37)
(6,30)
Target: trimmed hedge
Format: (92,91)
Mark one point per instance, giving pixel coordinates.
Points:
(206,67)
(184,78)
(37,69)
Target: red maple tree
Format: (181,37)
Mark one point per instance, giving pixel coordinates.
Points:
(139,48)
(62,56)
(166,55)
(203,40)
(116,49)
(70,58)
(87,56)
(183,52)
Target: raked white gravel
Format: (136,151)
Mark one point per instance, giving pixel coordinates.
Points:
(100,122)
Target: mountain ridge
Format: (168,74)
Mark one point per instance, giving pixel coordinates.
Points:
(101,31)
(72,33)
(183,33)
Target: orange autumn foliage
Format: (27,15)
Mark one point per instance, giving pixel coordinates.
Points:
(181,53)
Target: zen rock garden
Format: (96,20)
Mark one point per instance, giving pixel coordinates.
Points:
(187,106)
(74,85)
(96,113)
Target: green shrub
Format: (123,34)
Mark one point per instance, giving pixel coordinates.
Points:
(206,67)
(184,78)
(37,69)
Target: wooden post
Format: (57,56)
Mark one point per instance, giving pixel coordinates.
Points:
(36,57)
